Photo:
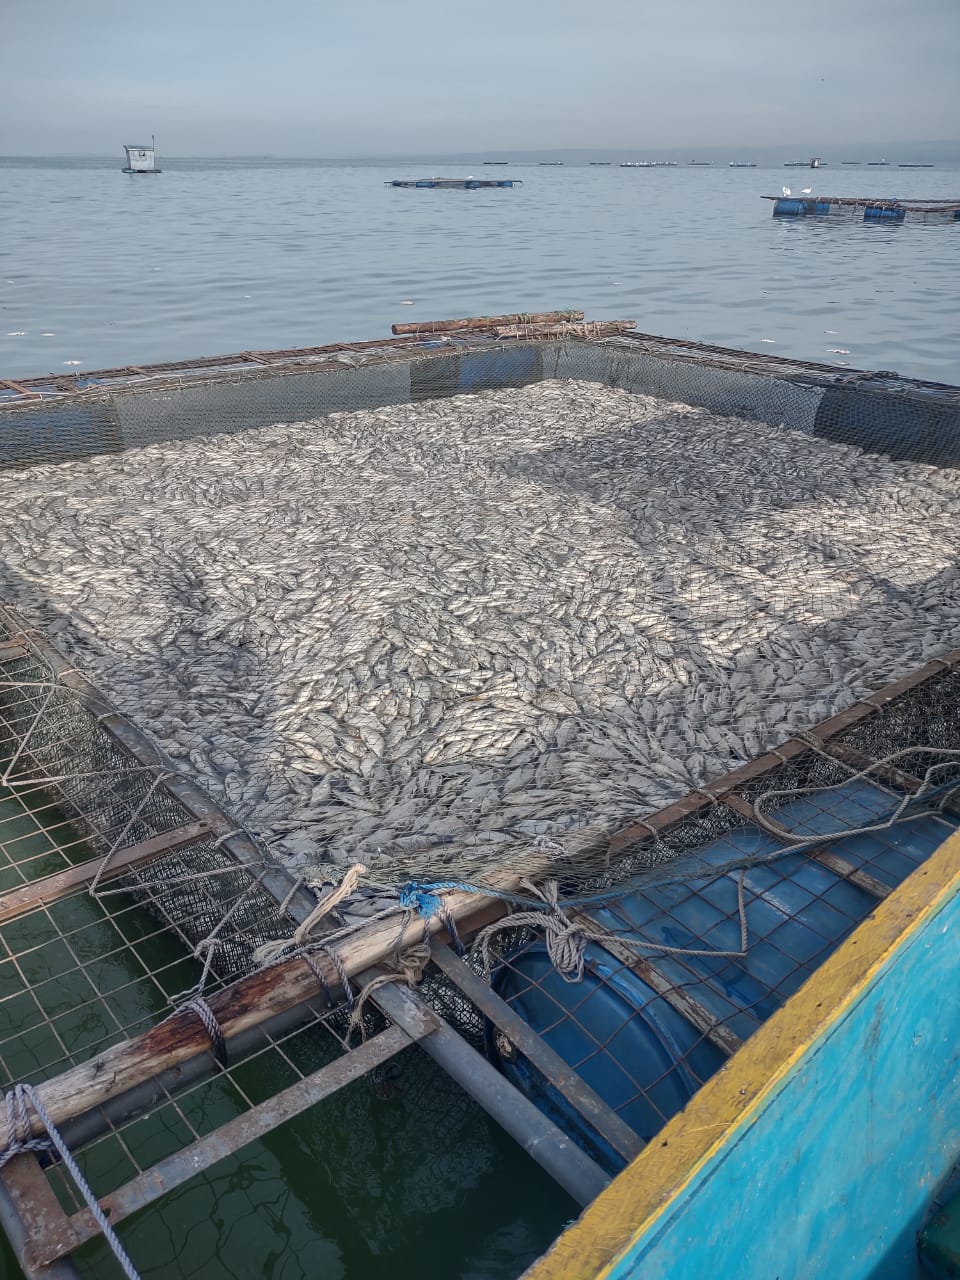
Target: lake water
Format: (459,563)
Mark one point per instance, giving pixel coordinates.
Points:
(100,269)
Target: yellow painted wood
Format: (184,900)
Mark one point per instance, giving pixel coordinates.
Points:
(647,1188)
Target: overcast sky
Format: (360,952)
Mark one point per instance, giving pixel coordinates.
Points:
(374,77)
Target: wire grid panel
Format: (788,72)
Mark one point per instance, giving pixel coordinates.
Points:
(529,609)
(712,935)
(76,793)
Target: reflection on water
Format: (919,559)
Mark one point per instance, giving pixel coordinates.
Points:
(103,269)
(376,1184)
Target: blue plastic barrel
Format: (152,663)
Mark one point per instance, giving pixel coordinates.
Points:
(425,182)
(645,1058)
(790,205)
(876,212)
(472,186)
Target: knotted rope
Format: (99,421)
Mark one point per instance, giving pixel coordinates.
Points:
(408,967)
(566,940)
(19,1140)
(198,1006)
(267,952)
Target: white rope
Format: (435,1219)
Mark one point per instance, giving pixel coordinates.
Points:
(267,952)
(19,1140)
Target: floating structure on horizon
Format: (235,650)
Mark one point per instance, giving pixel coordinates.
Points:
(141,159)
(872,209)
(469,183)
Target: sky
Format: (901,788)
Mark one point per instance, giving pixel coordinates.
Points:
(380,77)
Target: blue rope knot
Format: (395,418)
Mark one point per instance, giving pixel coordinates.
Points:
(417,896)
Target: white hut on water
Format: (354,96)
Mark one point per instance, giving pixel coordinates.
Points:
(141,159)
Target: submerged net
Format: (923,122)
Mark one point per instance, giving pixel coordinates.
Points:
(432,636)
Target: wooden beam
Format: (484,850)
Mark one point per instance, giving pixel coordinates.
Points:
(717,790)
(250,1001)
(48,889)
(483,323)
(836,863)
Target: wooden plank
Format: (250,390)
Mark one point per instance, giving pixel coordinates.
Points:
(590,329)
(684,1003)
(856,875)
(484,323)
(862,879)
(718,789)
(48,889)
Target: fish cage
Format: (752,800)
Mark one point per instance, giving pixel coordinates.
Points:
(869,209)
(559,699)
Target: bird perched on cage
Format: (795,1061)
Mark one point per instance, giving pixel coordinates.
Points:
(786,191)
(806,191)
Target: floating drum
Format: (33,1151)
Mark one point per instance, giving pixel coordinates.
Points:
(647,1025)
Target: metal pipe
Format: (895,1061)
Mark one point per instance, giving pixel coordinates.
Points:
(585,1101)
(552,1149)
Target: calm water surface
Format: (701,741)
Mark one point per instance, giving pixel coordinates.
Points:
(100,269)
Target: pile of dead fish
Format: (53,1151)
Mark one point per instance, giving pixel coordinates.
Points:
(424,635)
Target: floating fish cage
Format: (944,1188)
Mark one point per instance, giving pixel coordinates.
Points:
(451,184)
(642,862)
(869,209)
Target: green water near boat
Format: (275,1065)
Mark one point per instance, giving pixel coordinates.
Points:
(385,1178)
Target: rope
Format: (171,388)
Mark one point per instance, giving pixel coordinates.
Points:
(408,967)
(19,1141)
(268,952)
(926,786)
(197,1005)
(566,940)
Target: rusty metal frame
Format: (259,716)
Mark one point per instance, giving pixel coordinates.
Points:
(47,1240)
(297,901)
(173,1171)
(477,332)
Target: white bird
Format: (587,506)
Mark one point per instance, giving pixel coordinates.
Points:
(786,191)
(806,191)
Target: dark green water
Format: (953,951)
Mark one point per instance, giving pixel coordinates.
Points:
(386,1179)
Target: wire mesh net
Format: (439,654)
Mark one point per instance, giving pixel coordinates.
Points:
(426,609)
(76,807)
(490,608)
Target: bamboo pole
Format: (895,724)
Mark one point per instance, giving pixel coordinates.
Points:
(485,322)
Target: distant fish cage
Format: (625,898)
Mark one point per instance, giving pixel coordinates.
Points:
(872,210)
(454,184)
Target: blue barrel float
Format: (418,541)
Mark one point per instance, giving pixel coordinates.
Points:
(637,1049)
(883,213)
(797,205)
